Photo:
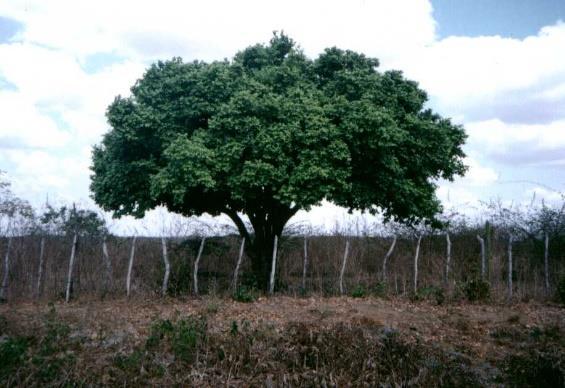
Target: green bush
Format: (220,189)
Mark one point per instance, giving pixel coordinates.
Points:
(45,356)
(56,335)
(359,292)
(431,293)
(139,363)
(52,358)
(157,332)
(536,368)
(243,295)
(183,337)
(561,290)
(477,290)
(12,354)
(249,281)
(379,289)
(181,274)
(188,334)
(3,324)
(129,363)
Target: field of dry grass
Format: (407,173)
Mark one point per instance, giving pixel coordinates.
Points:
(281,341)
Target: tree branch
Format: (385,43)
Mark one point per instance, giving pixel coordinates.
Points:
(238,223)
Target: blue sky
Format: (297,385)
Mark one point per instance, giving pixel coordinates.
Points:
(496,67)
(510,18)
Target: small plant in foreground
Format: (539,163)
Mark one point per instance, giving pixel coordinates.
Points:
(536,369)
(359,292)
(12,354)
(561,290)
(242,294)
(3,324)
(379,290)
(433,293)
(52,358)
(234,329)
(188,335)
(157,332)
(184,337)
(477,290)
(212,307)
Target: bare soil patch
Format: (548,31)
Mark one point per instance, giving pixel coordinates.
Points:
(481,337)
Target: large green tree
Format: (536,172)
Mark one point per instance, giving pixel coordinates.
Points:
(272,132)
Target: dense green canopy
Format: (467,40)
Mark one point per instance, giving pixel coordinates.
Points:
(272,132)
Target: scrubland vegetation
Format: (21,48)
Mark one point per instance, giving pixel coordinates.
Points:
(282,341)
(334,319)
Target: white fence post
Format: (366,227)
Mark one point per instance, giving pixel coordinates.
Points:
(510,267)
(239,258)
(345,254)
(546,263)
(196,262)
(107,262)
(387,256)
(40,269)
(71,264)
(4,288)
(305,264)
(273,267)
(416,264)
(483,257)
(447,257)
(167,267)
(130,265)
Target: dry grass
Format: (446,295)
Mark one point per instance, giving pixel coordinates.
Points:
(273,339)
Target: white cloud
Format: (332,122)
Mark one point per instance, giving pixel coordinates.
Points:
(465,193)
(458,199)
(544,194)
(478,175)
(553,93)
(53,81)
(38,173)
(214,29)
(519,143)
(473,72)
(22,125)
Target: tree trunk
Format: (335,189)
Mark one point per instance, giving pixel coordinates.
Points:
(546,263)
(167,267)
(387,256)
(510,268)
(345,254)
(4,289)
(483,257)
(196,262)
(305,264)
(70,274)
(266,224)
(107,263)
(273,267)
(239,258)
(40,268)
(416,264)
(130,265)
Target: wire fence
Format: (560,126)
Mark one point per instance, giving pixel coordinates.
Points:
(37,267)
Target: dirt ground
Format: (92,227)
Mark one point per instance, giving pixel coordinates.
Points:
(281,341)
(466,327)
